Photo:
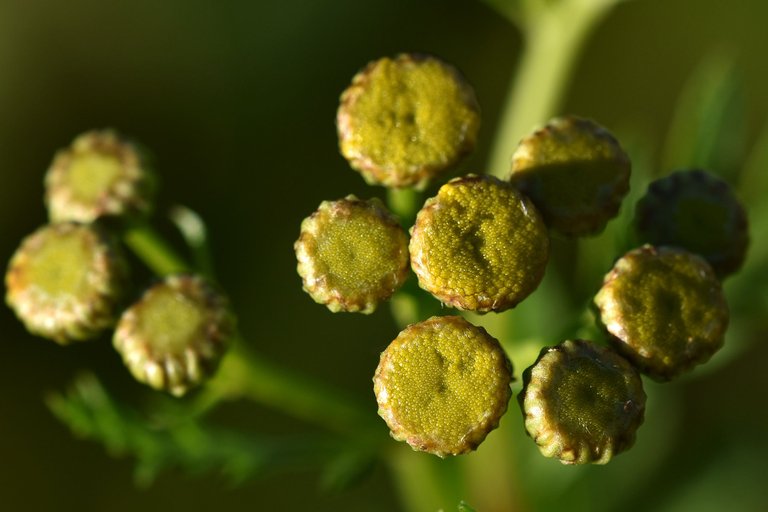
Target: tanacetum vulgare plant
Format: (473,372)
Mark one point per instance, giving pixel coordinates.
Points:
(544,281)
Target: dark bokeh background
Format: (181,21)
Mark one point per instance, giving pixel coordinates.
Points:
(237,101)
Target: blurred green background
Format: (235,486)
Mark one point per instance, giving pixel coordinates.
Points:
(237,101)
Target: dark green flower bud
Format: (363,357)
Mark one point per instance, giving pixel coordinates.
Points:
(65,281)
(173,338)
(479,245)
(582,403)
(442,385)
(698,212)
(665,310)
(100,174)
(352,254)
(575,172)
(405,120)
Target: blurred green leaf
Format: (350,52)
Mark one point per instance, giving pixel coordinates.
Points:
(510,9)
(464,507)
(753,181)
(92,414)
(346,470)
(708,127)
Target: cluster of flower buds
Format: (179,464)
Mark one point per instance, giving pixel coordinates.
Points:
(482,244)
(68,281)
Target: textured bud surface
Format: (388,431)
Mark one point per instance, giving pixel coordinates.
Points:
(352,254)
(99,174)
(697,212)
(402,121)
(575,173)
(582,403)
(442,385)
(665,309)
(65,281)
(173,338)
(479,245)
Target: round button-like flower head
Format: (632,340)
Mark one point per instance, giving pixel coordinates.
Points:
(697,212)
(582,403)
(575,173)
(405,120)
(100,174)
(352,254)
(173,338)
(479,245)
(665,310)
(65,281)
(442,385)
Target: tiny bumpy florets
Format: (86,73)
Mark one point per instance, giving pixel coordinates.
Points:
(665,310)
(442,385)
(100,174)
(65,281)
(352,254)
(405,120)
(582,402)
(173,337)
(479,245)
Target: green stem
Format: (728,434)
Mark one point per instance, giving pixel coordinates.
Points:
(153,250)
(554,35)
(553,38)
(246,374)
(425,482)
(404,203)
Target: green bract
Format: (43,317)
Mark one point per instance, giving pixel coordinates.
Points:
(352,254)
(173,337)
(442,385)
(582,402)
(100,174)
(65,281)
(665,310)
(402,121)
(697,212)
(479,245)
(575,173)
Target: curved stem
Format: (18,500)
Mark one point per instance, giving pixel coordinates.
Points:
(553,39)
(246,374)
(149,246)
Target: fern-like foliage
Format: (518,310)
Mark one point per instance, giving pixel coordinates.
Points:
(186,444)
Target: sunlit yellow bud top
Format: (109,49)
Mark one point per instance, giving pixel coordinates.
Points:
(479,245)
(100,174)
(582,403)
(442,385)
(352,254)
(665,310)
(402,121)
(575,173)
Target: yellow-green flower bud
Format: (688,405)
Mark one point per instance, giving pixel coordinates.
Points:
(665,310)
(697,212)
(405,120)
(575,173)
(479,245)
(174,336)
(442,385)
(100,174)
(352,254)
(65,281)
(582,403)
